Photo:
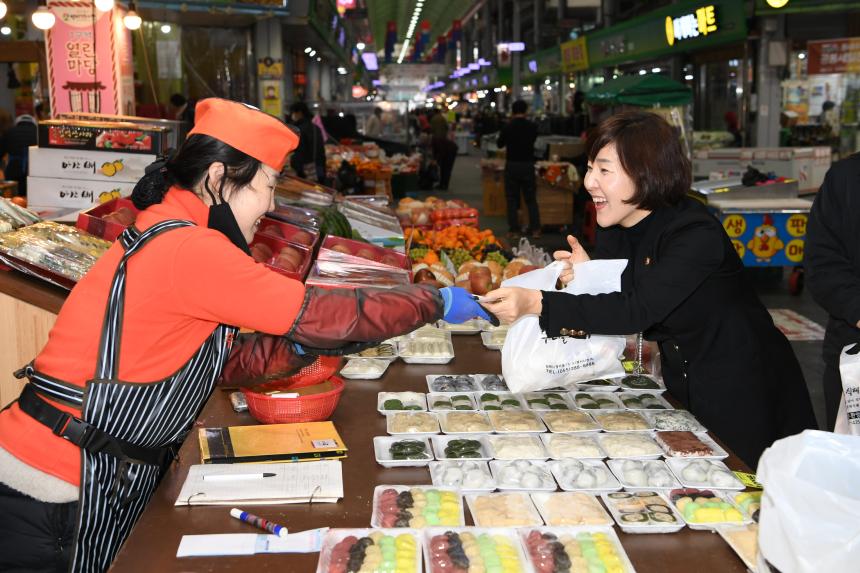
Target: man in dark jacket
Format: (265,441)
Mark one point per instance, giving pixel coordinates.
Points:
(832,260)
(17,142)
(311,149)
(519,137)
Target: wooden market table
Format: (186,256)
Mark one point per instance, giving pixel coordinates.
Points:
(153,542)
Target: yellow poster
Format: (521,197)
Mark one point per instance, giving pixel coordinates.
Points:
(272,97)
(574,56)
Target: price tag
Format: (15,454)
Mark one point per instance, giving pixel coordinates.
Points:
(748,480)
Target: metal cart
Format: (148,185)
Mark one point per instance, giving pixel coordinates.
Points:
(766,224)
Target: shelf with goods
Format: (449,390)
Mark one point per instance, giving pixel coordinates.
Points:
(379,170)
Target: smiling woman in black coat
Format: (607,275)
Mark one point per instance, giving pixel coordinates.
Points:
(722,357)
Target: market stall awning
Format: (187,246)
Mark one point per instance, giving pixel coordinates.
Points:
(647,91)
(441,15)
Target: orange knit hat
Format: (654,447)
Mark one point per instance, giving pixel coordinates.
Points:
(251,131)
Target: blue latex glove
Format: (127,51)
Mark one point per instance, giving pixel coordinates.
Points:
(460,306)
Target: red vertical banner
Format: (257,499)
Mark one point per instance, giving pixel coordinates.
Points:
(89,60)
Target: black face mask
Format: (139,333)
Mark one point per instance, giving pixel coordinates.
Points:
(221,219)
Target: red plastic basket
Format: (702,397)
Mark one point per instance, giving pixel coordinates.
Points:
(312,408)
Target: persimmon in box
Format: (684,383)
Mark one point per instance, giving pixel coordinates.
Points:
(346,250)
(331,274)
(288,232)
(109,219)
(281,256)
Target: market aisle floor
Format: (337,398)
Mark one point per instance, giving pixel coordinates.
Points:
(773,289)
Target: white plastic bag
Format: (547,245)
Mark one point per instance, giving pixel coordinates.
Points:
(531,361)
(810,512)
(848,417)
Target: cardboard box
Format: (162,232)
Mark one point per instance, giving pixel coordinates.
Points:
(555,207)
(566,150)
(88,165)
(74,193)
(92,221)
(110,136)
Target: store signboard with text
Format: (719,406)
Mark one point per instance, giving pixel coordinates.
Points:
(574,55)
(90,69)
(837,56)
(675,29)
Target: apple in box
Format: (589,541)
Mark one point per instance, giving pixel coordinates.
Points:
(278,254)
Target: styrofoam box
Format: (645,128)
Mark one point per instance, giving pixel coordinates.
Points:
(72,193)
(88,165)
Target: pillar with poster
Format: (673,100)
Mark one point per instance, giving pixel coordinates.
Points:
(89,60)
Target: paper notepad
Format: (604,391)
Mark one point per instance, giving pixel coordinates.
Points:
(320,481)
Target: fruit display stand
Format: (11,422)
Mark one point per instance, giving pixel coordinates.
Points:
(155,538)
(557,184)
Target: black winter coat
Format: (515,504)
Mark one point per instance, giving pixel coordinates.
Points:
(722,356)
(832,256)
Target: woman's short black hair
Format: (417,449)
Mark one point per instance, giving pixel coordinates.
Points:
(190,166)
(519,106)
(651,153)
(300,107)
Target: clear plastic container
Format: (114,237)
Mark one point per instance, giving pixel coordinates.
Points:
(569,421)
(472,326)
(675,421)
(419,519)
(548,401)
(630,445)
(507,509)
(571,509)
(494,340)
(384,351)
(442,443)
(667,441)
(517,447)
(622,422)
(676,496)
(599,385)
(641,383)
(584,475)
(649,401)
(384,457)
(415,350)
(596,401)
(496,401)
(330,553)
(743,539)
(708,474)
(504,542)
(569,446)
(516,422)
(451,402)
(638,475)
(522,475)
(412,424)
(409,400)
(492,382)
(574,540)
(364,368)
(465,423)
(465,475)
(642,512)
(448,383)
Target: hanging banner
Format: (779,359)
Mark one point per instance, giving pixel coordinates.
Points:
(574,55)
(838,56)
(89,60)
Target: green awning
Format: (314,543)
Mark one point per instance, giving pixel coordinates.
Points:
(649,90)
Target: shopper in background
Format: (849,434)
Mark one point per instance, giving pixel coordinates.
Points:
(182,109)
(166,302)
(519,136)
(16,143)
(684,287)
(832,261)
(731,120)
(374,124)
(444,149)
(309,156)
(5,125)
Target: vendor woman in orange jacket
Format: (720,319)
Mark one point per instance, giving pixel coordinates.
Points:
(143,337)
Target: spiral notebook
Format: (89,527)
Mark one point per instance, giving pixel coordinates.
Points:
(262,484)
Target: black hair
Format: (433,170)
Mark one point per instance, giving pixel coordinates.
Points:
(178,100)
(519,106)
(190,165)
(302,108)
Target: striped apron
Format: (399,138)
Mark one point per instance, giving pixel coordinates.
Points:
(157,415)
